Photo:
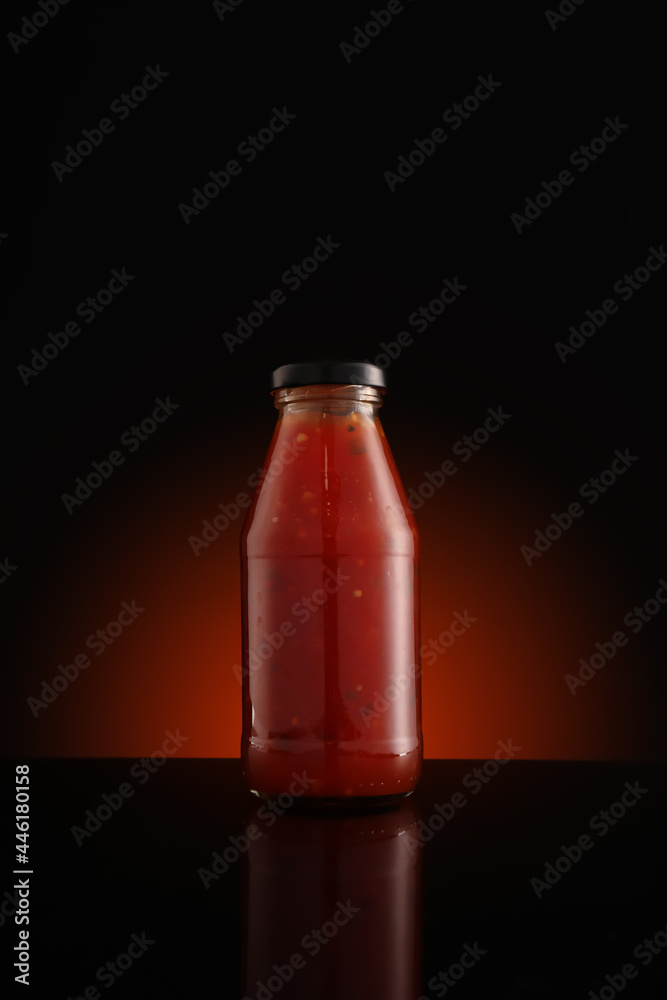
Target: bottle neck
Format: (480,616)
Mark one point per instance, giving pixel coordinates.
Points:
(328,398)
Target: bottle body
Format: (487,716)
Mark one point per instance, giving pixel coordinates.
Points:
(330,599)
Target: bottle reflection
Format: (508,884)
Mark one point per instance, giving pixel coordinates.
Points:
(333,907)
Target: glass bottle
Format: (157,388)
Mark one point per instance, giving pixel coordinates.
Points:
(330,598)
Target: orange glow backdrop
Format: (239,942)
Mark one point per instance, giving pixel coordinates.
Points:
(172,667)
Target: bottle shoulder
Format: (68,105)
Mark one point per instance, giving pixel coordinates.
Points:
(332,478)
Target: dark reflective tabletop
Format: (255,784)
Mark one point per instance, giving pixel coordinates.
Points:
(531,879)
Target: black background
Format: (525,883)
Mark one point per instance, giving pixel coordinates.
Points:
(479,878)
(323,176)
